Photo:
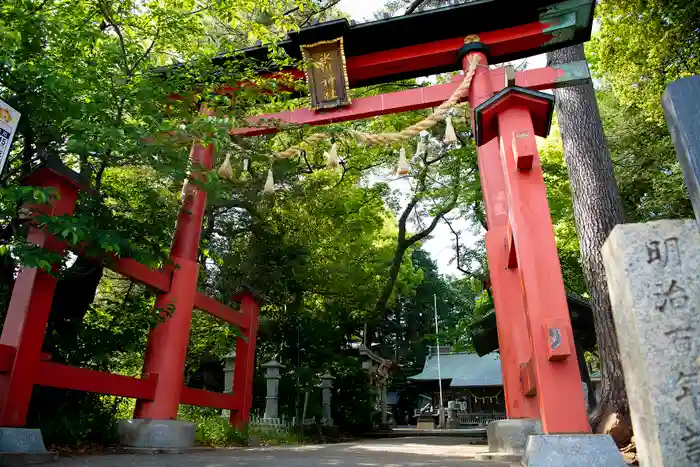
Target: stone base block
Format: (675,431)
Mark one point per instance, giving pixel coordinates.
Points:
(453,424)
(510,436)
(572,451)
(23,446)
(156,434)
(23,440)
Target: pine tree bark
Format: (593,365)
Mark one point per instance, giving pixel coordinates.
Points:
(597,209)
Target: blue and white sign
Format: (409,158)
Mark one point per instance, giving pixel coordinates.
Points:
(9,118)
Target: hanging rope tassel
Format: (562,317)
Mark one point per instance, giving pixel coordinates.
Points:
(270,183)
(450,135)
(403,167)
(389,138)
(332,161)
(226,171)
(420,149)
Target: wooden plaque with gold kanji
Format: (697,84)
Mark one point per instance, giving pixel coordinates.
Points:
(326,74)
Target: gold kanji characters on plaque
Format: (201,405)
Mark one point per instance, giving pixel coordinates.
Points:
(326,74)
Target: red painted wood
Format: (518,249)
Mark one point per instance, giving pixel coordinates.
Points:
(442,53)
(245,363)
(216,400)
(524,150)
(219,310)
(365,107)
(513,337)
(158,279)
(30,305)
(142,274)
(82,379)
(167,344)
(7,356)
(394,102)
(189,223)
(538,79)
(540,113)
(566,345)
(283,77)
(559,390)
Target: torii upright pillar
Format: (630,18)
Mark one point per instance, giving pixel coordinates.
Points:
(514,344)
(521,241)
(155,421)
(534,327)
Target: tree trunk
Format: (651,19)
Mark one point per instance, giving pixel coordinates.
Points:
(75,292)
(597,209)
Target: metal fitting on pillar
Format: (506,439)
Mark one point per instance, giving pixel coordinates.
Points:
(472,44)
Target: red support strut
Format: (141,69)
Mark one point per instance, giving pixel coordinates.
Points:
(30,306)
(558,380)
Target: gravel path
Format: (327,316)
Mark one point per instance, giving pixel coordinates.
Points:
(401,452)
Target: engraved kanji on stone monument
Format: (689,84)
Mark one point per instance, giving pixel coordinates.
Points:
(326,74)
(655,290)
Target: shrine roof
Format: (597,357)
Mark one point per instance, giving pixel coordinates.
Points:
(512,30)
(464,369)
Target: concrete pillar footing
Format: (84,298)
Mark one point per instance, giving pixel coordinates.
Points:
(156,434)
(510,436)
(23,446)
(572,450)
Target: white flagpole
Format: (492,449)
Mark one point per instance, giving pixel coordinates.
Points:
(437,340)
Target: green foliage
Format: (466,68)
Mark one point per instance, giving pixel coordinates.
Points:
(75,418)
(648,173)
(212,428)
(643,46)
(274,436)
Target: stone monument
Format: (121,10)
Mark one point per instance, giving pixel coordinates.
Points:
(326,397)
(654,284)
(23,446)
(654,278)
(229,369)
(452,418)
(681,103)
(272,376)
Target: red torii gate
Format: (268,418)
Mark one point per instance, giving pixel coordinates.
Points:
(540,370)
(160,390)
